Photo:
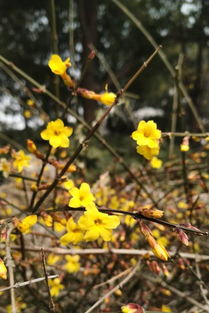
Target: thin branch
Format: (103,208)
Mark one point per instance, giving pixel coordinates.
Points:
(112,279)
(51,302)
(120,285)
(106,66)
(10,265)
(175,104)
(71,30)
(39,178)
(176,291)
(184,134)
(64,251)
(28,282)
(137,215)
(202,285)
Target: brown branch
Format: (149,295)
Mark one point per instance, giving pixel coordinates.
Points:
(137,215)
(10,265)
(52,307)
(120,285)
(64,251)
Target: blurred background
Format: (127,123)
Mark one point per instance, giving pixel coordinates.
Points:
(122,34)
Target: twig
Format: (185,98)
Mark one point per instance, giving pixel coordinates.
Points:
(141,69)
(39,179)
(120,285)
(137,215)
(106,66)
(111,280)
(25,191)
(54,41)
(183,134)
(176,291)
(28,282)
(175,104)
(64,251)
(71,30)
(202,285)
(51,302)
(10,266)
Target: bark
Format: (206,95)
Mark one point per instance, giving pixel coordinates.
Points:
(88,20)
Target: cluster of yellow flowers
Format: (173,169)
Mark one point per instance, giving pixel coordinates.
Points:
(19,161)
(60,67)
(147,137)
(93,224)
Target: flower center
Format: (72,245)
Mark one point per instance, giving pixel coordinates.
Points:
(146,132)
(57,132)
(82,197)
(98,221)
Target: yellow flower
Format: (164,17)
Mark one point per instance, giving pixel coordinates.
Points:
(184,148)
(18,304)
(81,197)
(59,227)
(147,134)
(156,163)
(57,134)
(165,308)
(46,219)
(114,203)
(58,66)
(72,264)
(107,98)
(3,270)
(55,286)
(5,167)
(74,233)
(27,114)
(53,258)
(147,152)
(97,224)
(21,160)
(185,144)
(30,102)
(31,146)
(25,225)
(69,184)
(158,249)
(182,205)
(129,221)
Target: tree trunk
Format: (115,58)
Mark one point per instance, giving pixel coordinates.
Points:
(88,20)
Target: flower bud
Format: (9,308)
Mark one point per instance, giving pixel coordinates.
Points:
(151,212)
(132,308)
(183,237)
(3,270)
